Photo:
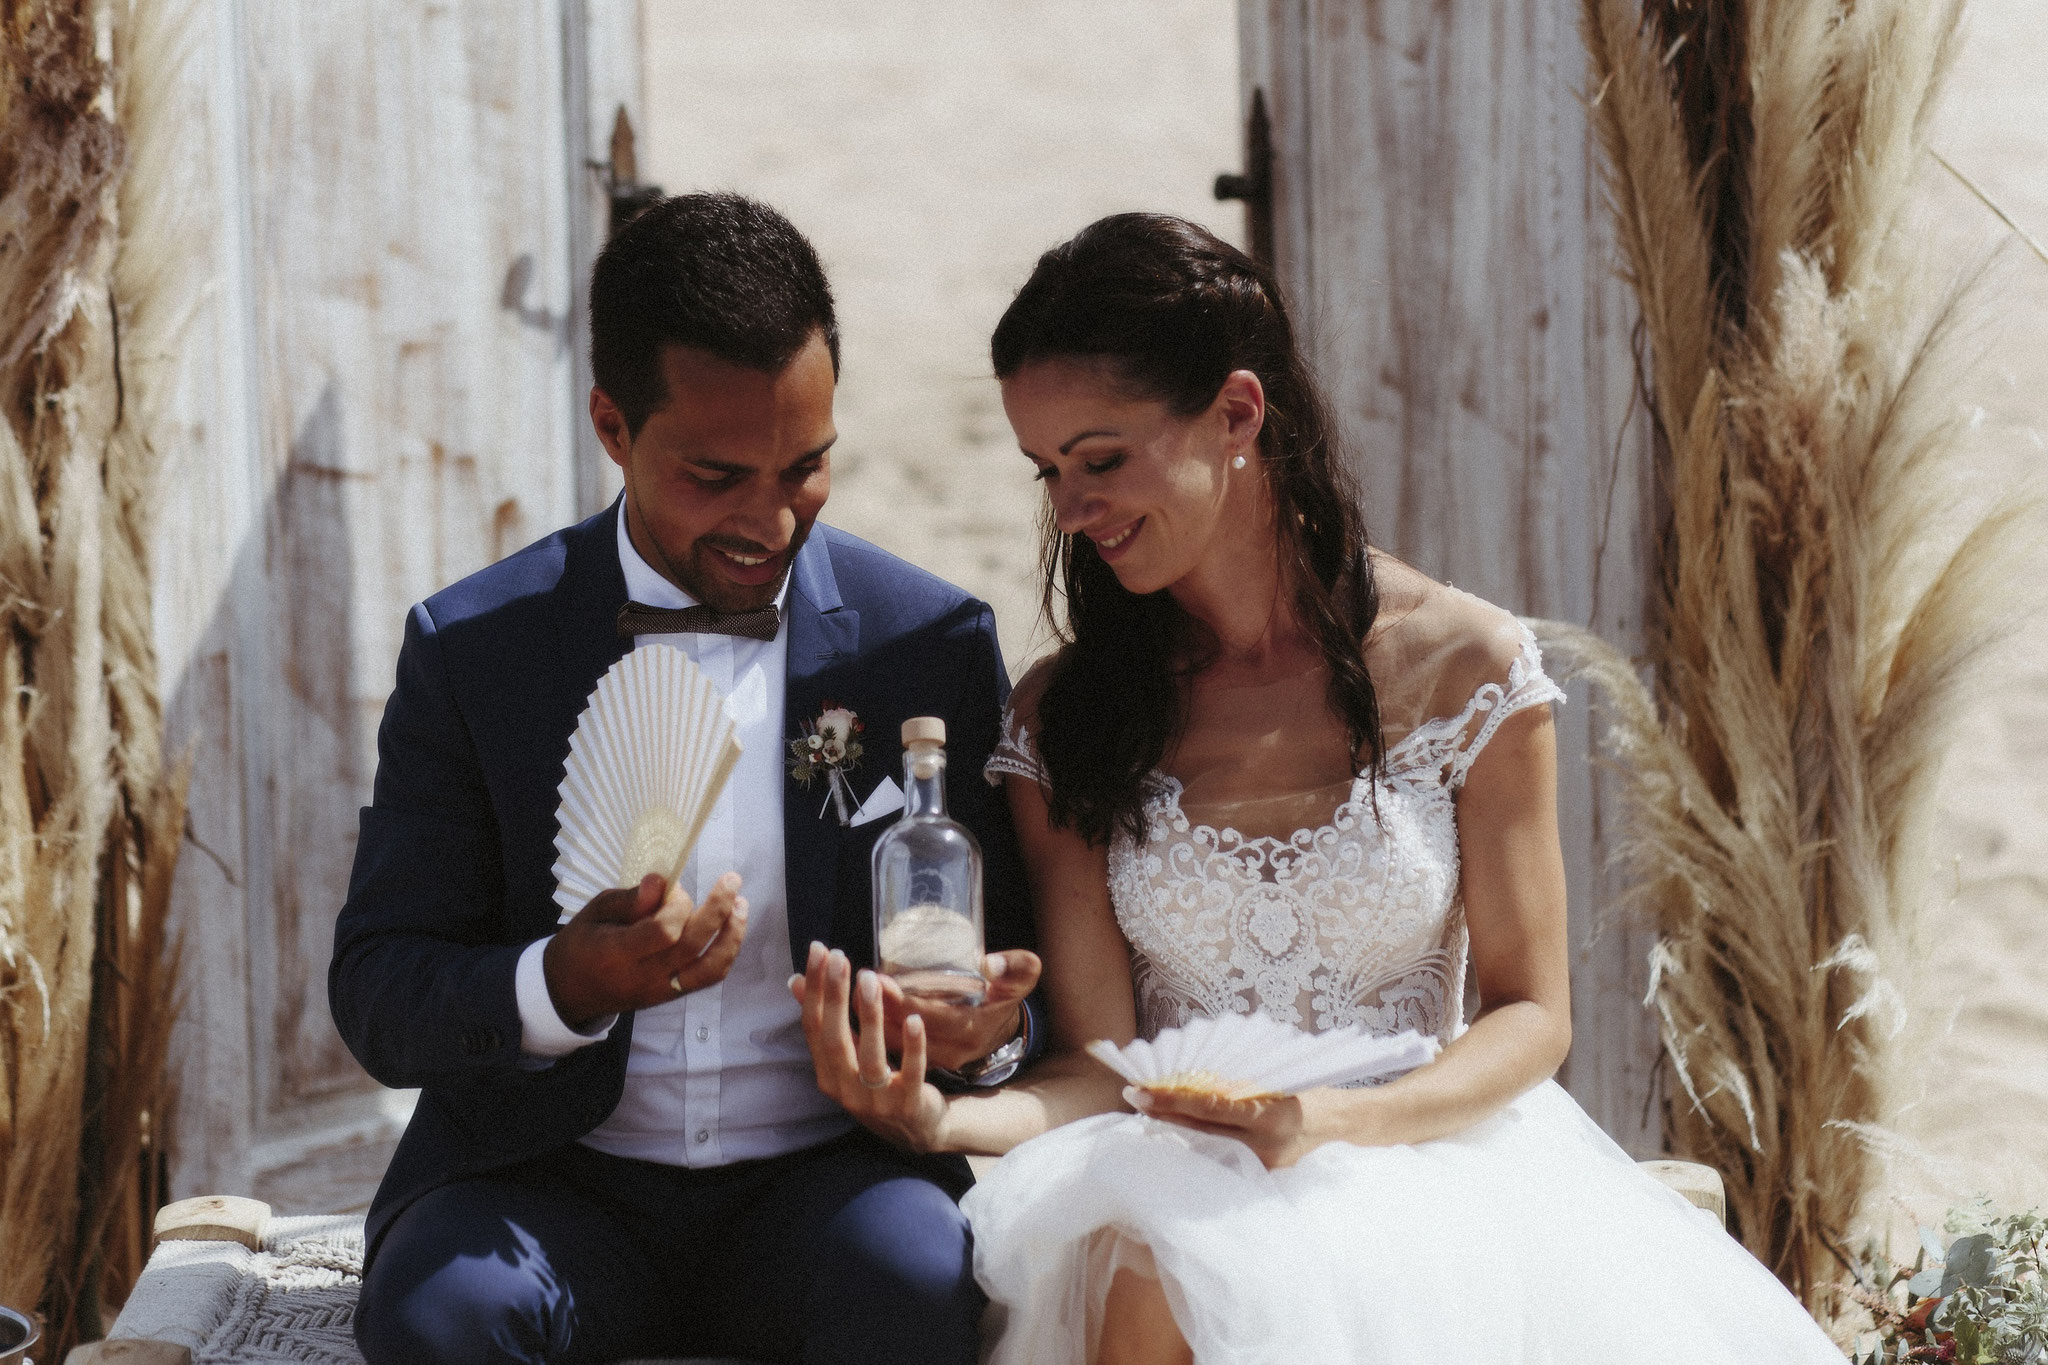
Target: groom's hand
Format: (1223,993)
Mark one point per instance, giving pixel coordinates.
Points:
(954,1034)
(627,950)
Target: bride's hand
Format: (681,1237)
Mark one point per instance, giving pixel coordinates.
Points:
(1276,1128)
(957,1034)
(899,1104)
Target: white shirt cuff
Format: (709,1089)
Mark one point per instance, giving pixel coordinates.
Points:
(542,1034)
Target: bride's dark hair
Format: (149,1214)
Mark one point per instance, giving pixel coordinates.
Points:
(1171,309)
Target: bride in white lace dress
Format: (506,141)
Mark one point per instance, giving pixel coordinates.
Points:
(1272,771)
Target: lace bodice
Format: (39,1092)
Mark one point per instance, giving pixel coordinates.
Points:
(1356,921)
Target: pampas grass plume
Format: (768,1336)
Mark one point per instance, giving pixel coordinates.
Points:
(1823,607)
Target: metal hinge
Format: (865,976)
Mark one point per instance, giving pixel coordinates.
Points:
(1255,185)
(629,198)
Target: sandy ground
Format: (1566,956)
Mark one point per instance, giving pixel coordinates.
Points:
(1983,1120)
(933,149)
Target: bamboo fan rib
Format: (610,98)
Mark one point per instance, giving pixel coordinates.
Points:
(650,755)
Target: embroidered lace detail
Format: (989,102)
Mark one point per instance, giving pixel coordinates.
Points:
(1014,753)
(1444,749)
(1357,921)
(1353,922)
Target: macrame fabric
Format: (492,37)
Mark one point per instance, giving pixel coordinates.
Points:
(291,1303)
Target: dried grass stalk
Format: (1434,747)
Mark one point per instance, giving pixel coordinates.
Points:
(90,819)
(1824,601)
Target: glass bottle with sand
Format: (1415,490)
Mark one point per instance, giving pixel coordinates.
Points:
(927,881)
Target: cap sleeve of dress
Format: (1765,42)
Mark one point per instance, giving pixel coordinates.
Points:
(1014,753)
(1526,685)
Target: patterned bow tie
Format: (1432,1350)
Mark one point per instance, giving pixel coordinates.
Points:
(758,624)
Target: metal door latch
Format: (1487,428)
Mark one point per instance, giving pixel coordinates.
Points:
(1255,185)
(629,198)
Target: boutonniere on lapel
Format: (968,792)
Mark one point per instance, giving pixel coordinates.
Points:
(828,747)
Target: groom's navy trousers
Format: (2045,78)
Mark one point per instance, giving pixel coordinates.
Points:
(851,1253)
(490,1199)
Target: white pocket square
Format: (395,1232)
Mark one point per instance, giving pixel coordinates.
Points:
(885,799)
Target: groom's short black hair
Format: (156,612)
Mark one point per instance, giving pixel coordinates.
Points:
(719,272)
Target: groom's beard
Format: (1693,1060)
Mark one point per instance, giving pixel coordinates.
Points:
(705,574)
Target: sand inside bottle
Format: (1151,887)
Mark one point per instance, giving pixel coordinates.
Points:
(934,951)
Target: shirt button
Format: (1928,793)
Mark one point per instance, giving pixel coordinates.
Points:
(703,1135)
(703,1032)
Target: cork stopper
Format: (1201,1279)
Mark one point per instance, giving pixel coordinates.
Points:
(924,730)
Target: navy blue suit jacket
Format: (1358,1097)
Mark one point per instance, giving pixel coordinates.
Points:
(452,872)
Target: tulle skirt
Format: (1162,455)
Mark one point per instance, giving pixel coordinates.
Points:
(1528,1238)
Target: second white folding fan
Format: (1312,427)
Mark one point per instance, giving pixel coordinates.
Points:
(1252,1056)
(650,755)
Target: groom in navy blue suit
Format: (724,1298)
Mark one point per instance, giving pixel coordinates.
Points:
(620,1148)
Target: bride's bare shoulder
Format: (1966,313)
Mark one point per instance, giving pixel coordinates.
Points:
(1433,646)
(1029,688)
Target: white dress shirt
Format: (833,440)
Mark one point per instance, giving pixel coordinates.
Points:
(721,1074)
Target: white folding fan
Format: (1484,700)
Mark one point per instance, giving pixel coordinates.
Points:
(650,755)
(1252,1056)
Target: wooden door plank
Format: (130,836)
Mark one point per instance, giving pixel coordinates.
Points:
(384,406)
(406,207)
(603,76)
(1439,227)
(209,502)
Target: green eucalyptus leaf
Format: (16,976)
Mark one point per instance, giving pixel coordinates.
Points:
(1970,1260)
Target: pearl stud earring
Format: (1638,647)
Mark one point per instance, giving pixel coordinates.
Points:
(1237,463)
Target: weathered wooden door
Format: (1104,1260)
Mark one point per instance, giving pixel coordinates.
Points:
(383,392)
(1437,217)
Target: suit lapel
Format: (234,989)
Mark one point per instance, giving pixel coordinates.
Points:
(824,639)
(595,585)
